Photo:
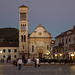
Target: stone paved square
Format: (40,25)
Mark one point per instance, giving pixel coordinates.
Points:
(9,69)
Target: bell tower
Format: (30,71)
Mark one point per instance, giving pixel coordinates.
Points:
(23,31)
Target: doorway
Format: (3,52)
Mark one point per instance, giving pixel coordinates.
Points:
(9,57)
(40,56)
(23,57)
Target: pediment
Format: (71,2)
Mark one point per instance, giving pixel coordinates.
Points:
(40,31)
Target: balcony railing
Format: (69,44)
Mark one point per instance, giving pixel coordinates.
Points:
(60,44)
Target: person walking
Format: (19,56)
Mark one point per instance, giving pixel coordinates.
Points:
(35,64)
(19,64)
(1,60)
(38,63)
(16,62)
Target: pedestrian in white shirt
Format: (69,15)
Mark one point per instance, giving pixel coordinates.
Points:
(19,64)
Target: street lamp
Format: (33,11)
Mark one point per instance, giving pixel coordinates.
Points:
(60,54)
(72,55)
(47,53)
(28,49)
(0,51)
(56,55)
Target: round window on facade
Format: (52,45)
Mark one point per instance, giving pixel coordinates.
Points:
(40,33)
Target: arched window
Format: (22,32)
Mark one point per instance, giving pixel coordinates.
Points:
(32,48)
(47,47)
(21,27)
(23,46)
(24,38)
(21,38)
(25,27)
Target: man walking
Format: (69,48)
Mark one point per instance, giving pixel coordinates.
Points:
(19,64)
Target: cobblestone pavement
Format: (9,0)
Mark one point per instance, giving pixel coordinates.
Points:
(8,69)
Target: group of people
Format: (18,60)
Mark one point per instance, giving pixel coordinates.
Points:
(2,60)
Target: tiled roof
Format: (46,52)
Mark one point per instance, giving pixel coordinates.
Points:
(9,45)
(23,6)
(64,33)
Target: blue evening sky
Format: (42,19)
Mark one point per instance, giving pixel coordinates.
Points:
(55,15)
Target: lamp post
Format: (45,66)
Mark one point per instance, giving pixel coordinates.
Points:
(56,55)
(48,54)
(60,55)
(28,48)
(69,55)
(72,55)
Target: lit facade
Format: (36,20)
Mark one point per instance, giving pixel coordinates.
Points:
(65,45)
(39,43)
(36,44)
(9,51)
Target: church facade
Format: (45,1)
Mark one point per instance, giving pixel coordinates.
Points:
(34,45)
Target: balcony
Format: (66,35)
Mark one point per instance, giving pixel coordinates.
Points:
(59,45)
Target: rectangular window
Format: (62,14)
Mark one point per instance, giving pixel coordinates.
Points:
(63,42)
(14,56)
(66,41)
(3,50)
(9,50)
(3,56)
(32,48)
(15,50)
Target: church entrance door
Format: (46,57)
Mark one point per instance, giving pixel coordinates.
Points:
(40,56)
(23,57)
